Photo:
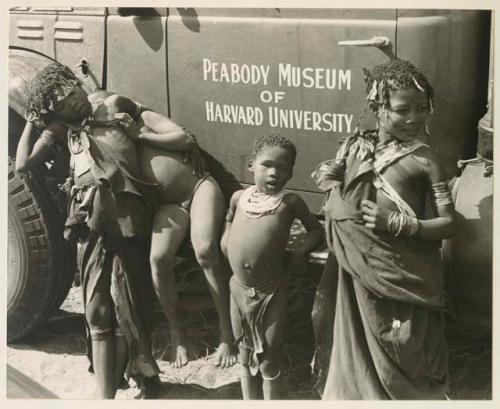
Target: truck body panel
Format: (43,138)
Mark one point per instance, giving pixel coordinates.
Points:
(137,59)
(68,38)
(450,49)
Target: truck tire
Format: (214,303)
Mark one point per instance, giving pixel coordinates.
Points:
(40,262)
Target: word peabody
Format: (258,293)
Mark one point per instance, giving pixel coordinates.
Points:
(288,75)
(235,73)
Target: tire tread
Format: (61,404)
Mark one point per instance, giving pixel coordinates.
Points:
(50,265)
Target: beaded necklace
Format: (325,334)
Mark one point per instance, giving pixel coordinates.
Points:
(256,204)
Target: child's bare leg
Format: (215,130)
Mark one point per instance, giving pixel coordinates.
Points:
(103,357)
(275,326)
(135,256)
(170,226)
(121,358)
(98,313)
(207,215)
(250,385)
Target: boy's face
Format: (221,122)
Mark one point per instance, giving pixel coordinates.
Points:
(74,108)
(272,168)
(405,118)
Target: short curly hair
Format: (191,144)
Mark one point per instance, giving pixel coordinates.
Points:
(50,85)
(272,140)
(392,76)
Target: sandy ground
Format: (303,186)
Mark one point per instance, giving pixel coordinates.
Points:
(54,356)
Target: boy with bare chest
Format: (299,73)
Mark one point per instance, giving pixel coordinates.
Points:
(255,237)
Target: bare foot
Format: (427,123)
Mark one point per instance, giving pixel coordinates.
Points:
(226,355)
(178,353)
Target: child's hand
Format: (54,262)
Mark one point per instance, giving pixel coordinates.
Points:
(374,216)
(298,263)
(128,124)
(38,123)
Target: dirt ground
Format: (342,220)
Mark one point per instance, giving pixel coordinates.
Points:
(54,356)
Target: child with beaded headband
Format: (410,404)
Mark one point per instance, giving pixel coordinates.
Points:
(390,297)
(255,236)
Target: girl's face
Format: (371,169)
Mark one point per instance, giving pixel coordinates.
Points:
(406,115)
(74,108)
(272,168)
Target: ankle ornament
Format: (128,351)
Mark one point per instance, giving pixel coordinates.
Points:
(267,378)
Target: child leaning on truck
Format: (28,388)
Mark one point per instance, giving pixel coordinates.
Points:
(255,237)
(186,198)
(108,211)
(389,326)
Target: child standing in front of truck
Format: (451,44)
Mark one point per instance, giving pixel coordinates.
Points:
(389,340)
(254,240)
